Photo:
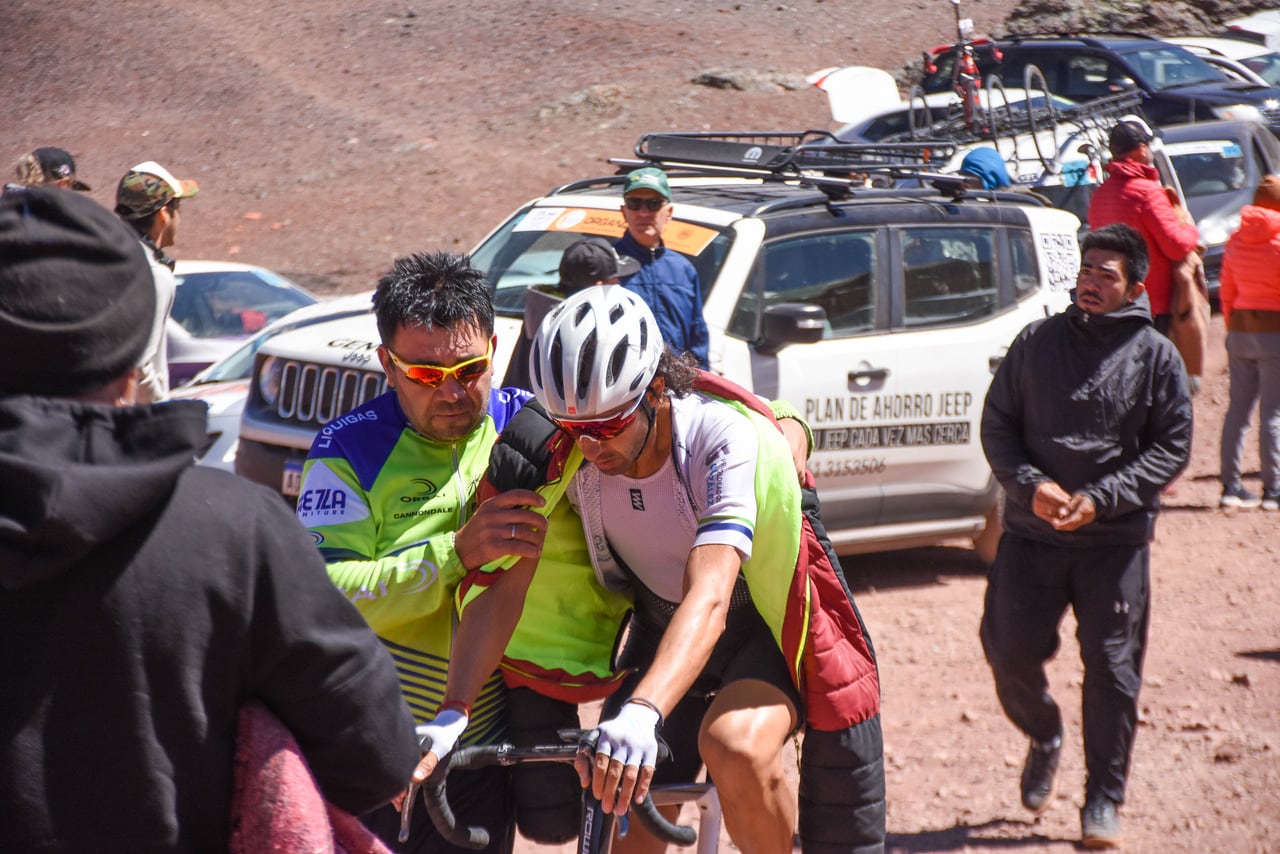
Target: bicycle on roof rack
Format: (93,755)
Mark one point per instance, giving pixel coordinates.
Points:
(978,118)
(1034,129)
(595,835)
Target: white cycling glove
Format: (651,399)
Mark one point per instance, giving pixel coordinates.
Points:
(441,735)
(631,737)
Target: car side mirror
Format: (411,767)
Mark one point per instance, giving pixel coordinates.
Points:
(788,323)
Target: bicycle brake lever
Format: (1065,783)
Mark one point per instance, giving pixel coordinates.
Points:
(406,811)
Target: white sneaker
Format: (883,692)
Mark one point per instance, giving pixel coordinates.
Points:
(1239,497)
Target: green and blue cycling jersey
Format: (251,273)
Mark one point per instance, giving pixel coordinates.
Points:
(382,504)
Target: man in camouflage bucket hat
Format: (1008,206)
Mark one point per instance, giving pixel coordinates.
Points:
(148,199)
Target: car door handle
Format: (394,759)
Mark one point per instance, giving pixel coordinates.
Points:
(868,375)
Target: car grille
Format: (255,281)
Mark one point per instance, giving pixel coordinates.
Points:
(1271,117)
(312,395)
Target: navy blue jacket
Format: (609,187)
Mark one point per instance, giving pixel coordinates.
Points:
(669,285)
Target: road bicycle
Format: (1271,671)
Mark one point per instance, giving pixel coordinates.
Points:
(595,835)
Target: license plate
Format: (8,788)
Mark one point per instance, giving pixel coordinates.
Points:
(291,483)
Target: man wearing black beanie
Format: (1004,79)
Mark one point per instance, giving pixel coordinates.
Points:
(144,600)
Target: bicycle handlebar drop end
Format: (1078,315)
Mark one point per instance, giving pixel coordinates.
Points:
(657,824)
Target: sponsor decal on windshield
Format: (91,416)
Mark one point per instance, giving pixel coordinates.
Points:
(685,237)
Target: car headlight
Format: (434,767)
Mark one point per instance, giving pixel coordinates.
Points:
(269,379)
(1214,230)
(1239,113)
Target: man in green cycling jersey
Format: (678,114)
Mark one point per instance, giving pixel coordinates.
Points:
(388,494)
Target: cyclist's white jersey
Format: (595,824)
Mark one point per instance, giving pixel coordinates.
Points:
(653,523)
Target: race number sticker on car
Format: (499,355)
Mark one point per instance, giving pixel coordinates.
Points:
(291,482)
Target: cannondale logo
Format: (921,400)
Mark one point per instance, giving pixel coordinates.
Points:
(425,491)
(753,154)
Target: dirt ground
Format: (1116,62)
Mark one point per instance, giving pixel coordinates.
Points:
(329,138)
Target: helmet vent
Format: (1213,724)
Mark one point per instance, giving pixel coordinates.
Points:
(583,378)
(555,360)
(616,361)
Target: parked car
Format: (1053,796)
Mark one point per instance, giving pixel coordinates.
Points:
(224,385)
(1176,85)
(881,313)
(217,306)
(1044,139)
(1249,59)
(1219,165)
(1262,27)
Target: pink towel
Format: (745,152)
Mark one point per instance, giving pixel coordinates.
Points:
(277,806)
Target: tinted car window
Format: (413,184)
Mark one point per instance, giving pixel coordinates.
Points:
(1026,273)
(835,271)
(948,275)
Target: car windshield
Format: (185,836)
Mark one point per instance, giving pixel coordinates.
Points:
(233,302)
(526,250)
(238,365)
(1266,66)
(1208,167)
(1169,66)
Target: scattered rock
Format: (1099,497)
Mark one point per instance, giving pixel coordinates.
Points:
(750,80)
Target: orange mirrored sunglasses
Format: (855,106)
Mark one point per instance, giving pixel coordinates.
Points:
(432,376)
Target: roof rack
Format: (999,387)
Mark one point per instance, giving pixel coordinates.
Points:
(811,156)
(1083,35)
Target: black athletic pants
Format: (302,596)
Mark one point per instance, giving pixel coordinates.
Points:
(1028,590)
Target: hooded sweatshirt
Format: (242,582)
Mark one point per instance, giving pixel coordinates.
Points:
(143,600)
(1098,403)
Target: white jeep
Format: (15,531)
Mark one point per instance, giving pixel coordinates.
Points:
(880,313)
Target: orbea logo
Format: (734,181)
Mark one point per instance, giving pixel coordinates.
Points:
(325,499)
(426,491)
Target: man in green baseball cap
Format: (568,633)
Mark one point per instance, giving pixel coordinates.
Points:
(667,280)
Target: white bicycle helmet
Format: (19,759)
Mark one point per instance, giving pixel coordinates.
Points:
(594,353)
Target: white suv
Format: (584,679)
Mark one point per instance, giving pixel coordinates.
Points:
(881,314)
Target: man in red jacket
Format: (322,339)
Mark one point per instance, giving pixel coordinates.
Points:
(1133,195)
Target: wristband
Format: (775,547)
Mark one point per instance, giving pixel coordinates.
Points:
(649,704)
(456,705)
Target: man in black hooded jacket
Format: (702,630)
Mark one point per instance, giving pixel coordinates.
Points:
(1085,422)
(144,600)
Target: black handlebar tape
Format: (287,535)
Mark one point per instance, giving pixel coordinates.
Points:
(435,796)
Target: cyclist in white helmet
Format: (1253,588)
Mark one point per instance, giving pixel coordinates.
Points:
(670,493)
